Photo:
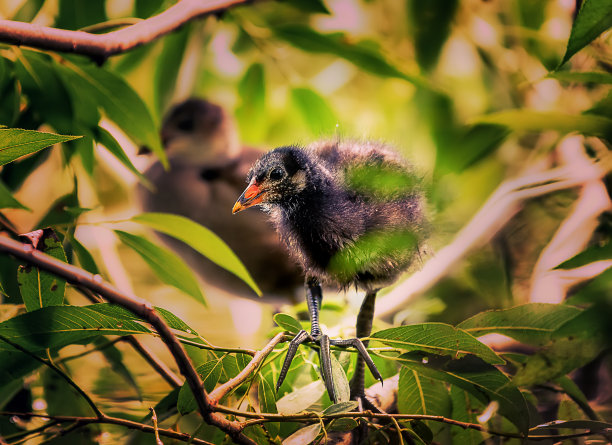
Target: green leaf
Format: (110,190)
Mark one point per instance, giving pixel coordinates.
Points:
(465,408)
(16,142)
(603,107)
(54,327)
(38,287)
(480,379)
(114,357)
(210,372)
(300,399)
(85,258)
(304,436)
(267,404)
(28,10)
(8,201)
(582,76)
(114,311)
(168,266)
(312,6)
(315,111)
(200,239)
(590,255)
(343,424)
(120,103)
(340,382)
(528,120)
(251,115)
(287,322)
(418,394)
(431,23)
(366,58)
(168,64)
(532,323)
(341,407)
(437,338)
(74,14)
(594,17)
(107,140)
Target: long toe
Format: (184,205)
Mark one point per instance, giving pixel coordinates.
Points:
(299,338)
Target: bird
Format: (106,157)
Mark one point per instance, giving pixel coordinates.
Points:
(207,170)
(351,213)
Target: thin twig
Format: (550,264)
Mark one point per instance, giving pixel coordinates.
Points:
(83,421)
(218,393)
(140,308)
(102,46)
(58,371)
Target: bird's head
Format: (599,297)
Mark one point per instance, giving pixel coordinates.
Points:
(278,177)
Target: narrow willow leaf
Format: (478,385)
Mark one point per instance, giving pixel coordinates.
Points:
(438,338)
(341,407)
(465,408)
(200,239)
(418,394)
(251,112)
(304,436)
(54,327)
(343,424)
(112,310)
(8,201)
(168,266)
(340,382)
(107,140)
(210,372)
(593,425)
(267,404)
(594,17)
(300,399)
(315,111)
(15,142)
(85,258)
(114,357)
(38,287)
(528,120)
(480,379)
(287,322)
(531,323)
(119,101)
(582,76)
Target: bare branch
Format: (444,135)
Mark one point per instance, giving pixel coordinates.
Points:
(101,46)
(142,309)
(219,392)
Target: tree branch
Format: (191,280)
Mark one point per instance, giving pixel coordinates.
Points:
(140,308)
(102,46)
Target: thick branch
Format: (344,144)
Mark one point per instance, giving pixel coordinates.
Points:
(139,307)
(101,46)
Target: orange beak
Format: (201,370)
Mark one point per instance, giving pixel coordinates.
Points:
(252,195)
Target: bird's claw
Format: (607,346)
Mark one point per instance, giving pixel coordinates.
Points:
(325,358)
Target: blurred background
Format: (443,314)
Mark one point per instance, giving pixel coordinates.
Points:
(429,78)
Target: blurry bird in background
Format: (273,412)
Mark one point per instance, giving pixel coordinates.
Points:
(207,171)
(351,213)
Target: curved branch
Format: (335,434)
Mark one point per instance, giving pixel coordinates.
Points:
(142,309)
(102,46)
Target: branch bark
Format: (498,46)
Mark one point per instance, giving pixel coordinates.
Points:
(102,46)
(142,309)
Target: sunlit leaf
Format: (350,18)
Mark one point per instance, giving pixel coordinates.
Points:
(15,142)
(168,65)
(381,182)
(28,10)
(300,399)
(200,239)
(287,322)
(168,266)
(304,436)
(315,111)
(594,17)
(531,323)
(250,114)
(528,120)
(480,379)
(210,373)
(418,394)
(437,338)
(40,288)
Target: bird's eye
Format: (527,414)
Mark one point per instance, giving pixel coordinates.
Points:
(277,174)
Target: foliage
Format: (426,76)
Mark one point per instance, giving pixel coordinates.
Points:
(473,96)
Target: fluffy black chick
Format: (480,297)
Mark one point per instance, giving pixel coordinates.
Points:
(207,170)
(351,214)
